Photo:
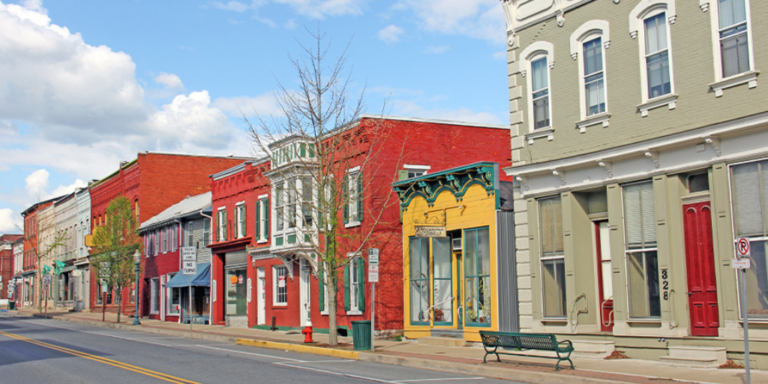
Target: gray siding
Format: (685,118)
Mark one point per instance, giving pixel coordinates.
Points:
(509,320)
(203,252)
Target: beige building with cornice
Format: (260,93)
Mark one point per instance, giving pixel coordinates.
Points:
(640,154)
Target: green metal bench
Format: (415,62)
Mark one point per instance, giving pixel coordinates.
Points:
(526,342)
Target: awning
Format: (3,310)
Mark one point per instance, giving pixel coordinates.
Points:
(202,278)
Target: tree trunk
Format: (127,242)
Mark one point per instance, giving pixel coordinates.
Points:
(119,302)
(333,335)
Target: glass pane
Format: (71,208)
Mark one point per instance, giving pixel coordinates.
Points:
(471,303)
(637,294)
(593,56)
(443,311)
(652,283)
(484,300)
(731,12)
(648,210)
(757,281)
(546,223)
(553,287)
(540,76)
(746,196)
(595,92)
(414,255)
(442,257)
(470,253)
(541,112)
(658,75)
(483,253)
(419,300)
(651,35)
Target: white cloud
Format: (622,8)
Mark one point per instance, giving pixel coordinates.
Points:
(169,80)
(67,189)
(264,105)
(481,19)
(231,6)
(290,24)
(37,183)
(190,118)
(436,50)
(9,221)
(500,55)
(390,34)
(8,128)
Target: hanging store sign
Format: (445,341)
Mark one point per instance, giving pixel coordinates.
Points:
(430,231)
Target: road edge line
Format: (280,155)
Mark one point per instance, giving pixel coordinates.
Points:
(300,348)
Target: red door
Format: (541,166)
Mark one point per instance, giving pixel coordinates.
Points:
(604,274)
(700,261)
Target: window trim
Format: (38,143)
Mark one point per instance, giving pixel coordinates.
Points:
(154,294)
(531,53)
(240,217)
(644,10)
(587,32)
(169,296)
(354,273)
(352,178)
(543,258)
(275,276)
(416,168)
(750,76)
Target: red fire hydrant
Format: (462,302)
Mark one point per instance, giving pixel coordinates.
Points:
(307,331)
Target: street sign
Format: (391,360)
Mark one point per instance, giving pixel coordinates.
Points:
(740,263)
(189,268)
(373,272)
(188,253)
(373,255)
(742,247)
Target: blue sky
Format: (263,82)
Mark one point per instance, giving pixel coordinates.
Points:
(86,84)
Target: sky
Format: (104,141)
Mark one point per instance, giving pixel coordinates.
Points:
(87,84)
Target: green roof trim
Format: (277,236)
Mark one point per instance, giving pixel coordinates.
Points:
(455,180)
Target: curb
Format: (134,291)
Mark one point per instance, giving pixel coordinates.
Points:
(434,365)
(300,348)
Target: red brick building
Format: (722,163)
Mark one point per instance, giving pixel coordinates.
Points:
(6,262)
(152,182)
(279,279)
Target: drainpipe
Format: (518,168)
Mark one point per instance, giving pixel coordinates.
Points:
(210,285)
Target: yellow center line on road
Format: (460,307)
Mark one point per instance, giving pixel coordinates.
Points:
(103,360)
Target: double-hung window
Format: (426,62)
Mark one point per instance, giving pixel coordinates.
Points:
(279,206)
(262,219)
(164,235)
(733,31)
(280,285)
(354,286)
(540,92)
(190,234)
(642,258)
(552,257)
(221,224)
(291,203)
(657,57)
(154,295)
(594,77)
(240,220)
(353,195)
(307,200)
(749,184)
(206,231)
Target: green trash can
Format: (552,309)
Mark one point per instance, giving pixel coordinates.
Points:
(12,305)
(361,335)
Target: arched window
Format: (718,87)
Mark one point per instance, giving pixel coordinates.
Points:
(588,45)
(539,59)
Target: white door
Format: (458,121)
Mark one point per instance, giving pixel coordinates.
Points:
(304,292)
(260,297)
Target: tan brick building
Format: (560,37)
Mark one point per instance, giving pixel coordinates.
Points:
(639,144)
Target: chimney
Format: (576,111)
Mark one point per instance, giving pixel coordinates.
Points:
(123,163)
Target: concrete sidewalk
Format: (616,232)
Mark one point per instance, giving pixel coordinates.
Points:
(467,360)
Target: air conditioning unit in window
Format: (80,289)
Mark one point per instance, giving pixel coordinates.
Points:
(456,244)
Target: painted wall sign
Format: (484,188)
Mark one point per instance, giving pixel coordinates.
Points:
(430,231)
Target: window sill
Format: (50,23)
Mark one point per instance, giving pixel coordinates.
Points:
(742,78)
(644,321)
(352,224)
(323,313)
(554,320)
(278,305)
(668,100)
(548,132)
(262,242)
(600,118)
(354,313)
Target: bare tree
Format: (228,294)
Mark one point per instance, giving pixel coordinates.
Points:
(114,243)
(323,162)
(45,248)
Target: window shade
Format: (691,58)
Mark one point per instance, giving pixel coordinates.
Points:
(746,198)
(551,226)
(640,216)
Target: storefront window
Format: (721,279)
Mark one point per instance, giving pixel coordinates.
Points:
(477,274)
(442,269)
(552,257)
(154,295)
(173,299)
(419,256)
(642,261)
(750,213)
(236,292)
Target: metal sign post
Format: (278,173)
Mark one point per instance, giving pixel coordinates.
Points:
(189,259)
(373,277)
(742,262)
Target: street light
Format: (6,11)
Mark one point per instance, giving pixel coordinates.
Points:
(136,260)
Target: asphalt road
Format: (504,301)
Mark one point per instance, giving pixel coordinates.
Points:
(47,351)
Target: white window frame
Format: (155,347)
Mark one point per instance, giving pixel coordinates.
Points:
(175,237)
(531,53)
(301,202)
(354,296)
(587,32)
(424,169)
(219,226)
(274,286)
(352,175)
(644,10)
(278,223)
(750,76)
(189,233)
(325,312)
(168,296)
(261,207)
(154,299)
(240,216)
(156,249)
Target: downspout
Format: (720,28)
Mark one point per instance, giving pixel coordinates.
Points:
(210,284)
(178,248)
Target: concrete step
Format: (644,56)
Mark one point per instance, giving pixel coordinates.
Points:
(442,341)
(703,357)
(592,349)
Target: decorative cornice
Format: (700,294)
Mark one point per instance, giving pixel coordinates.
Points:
(456,181)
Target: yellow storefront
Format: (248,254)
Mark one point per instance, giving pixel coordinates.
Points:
(450,250)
